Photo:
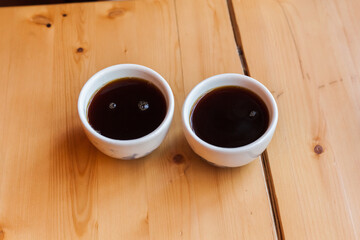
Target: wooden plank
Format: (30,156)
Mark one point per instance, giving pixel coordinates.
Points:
(208,48)
(55,185)
(25,122)
(307,53)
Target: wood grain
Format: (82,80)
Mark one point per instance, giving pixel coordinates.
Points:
(208,48)
(55,185)
(307,53)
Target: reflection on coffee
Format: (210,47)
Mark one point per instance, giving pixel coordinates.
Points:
(229,117)
(127,108)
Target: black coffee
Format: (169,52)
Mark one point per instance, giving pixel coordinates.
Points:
(229,117)
(127,108)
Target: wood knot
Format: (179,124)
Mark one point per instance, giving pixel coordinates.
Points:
(64,15)
(42,20)
(2,234)
(147,218)
(178,158)
(318,149)
(80,50)
(116,12)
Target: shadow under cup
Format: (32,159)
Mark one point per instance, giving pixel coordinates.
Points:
(133,148)
(234,156)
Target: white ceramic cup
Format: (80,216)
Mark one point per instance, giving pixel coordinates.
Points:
(237,156)
(125,149)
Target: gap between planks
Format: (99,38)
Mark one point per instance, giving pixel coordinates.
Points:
(264,156)
(237,37)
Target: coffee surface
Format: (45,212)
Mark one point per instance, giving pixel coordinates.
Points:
(229,117)
(127,108)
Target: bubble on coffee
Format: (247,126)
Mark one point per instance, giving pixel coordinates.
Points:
(112,105)
(143,105)
(252,114)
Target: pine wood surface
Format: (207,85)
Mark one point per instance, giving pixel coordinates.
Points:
(55,185)
(307,52)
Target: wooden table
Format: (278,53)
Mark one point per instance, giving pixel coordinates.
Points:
(55,185)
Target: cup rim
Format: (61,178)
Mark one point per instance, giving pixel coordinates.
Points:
(215,78)
(168,93)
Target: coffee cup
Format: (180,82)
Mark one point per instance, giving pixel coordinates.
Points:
(129,148)
(233,156)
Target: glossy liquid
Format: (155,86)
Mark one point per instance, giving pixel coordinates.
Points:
(229,117)
(127,108)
